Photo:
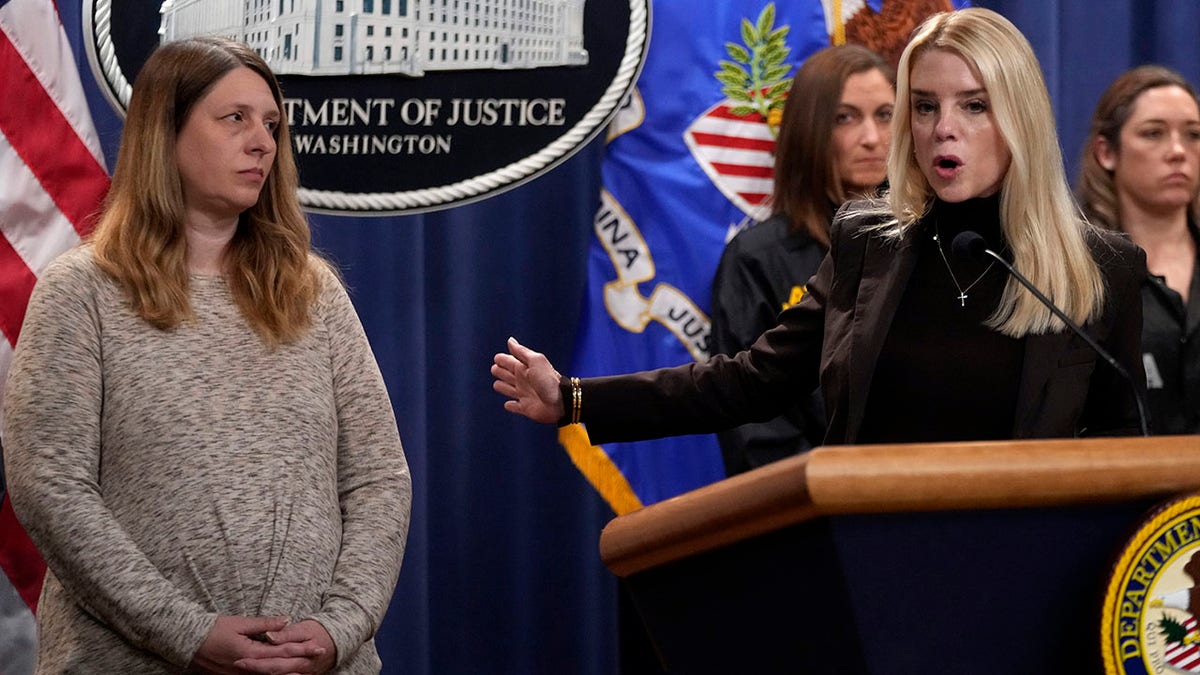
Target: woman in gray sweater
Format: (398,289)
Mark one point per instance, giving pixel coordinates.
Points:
(197,436)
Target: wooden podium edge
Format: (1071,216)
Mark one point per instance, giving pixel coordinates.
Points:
(900,478)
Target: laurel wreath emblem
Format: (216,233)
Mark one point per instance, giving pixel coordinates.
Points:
(757,78)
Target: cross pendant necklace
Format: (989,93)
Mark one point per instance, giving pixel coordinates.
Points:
(962,292)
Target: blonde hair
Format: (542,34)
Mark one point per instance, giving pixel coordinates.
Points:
(1096,189)
(140,238)
(1039,219)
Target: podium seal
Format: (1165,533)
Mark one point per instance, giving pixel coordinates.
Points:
(1151,609)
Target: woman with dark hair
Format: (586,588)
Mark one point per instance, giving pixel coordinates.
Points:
(1140,175)
(832,146)
(197,436)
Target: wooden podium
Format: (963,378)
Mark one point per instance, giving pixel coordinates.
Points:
(970,558)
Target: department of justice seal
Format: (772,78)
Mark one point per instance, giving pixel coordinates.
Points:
(404,106)
(1149,620)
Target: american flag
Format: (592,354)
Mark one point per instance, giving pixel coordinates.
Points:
(52,180)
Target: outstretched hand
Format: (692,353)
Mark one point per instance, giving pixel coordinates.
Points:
(529,381)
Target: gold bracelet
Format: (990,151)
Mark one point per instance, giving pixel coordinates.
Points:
(576,400)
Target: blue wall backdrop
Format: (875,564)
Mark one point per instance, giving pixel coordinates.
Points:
(502,573)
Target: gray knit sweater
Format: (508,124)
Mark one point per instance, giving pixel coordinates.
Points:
(171,476)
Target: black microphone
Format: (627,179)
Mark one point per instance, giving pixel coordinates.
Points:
(968,245)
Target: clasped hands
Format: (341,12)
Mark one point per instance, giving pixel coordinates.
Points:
(268,645)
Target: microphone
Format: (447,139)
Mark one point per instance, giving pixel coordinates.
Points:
(968,245)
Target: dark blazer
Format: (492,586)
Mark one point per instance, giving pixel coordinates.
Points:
(760,270)
(841,325)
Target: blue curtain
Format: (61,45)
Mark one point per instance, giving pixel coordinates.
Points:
(1084,44)
(502,573)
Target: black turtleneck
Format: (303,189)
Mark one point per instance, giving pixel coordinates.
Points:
(942,375)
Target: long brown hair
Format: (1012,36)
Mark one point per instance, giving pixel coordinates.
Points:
(1096,191)
(140,240)
(807,187)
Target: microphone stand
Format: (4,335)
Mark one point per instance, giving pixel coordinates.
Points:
(973,243)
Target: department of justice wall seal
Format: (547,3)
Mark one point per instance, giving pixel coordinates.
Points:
(1149,620)
(404,106)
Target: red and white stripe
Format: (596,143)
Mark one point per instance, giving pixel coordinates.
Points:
(52,180)
(737,153)
(1185,657)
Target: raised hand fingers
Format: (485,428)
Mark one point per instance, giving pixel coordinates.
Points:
(506,364)
(504,388)
(507,371)
(519,350)
(529,381)
(526,356)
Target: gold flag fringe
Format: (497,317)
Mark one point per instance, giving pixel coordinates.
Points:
(598,468)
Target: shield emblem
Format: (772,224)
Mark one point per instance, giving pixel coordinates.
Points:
(737,153)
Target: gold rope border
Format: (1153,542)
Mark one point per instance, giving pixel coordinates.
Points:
(1140,540)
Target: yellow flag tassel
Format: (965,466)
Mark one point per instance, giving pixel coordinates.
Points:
(598,468)
(839,28)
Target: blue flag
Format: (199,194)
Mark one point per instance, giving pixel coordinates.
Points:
(689,160)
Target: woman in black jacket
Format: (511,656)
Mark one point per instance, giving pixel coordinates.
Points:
(1140,175)
(911,343)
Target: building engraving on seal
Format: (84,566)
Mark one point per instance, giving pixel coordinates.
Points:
(407,37)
